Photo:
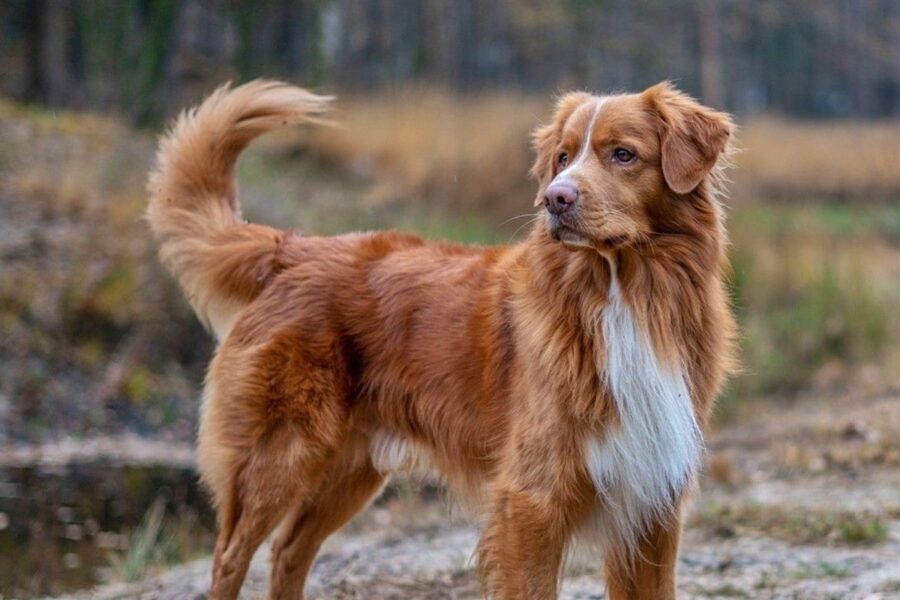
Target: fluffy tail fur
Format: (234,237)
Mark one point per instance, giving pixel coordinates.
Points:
(221,262)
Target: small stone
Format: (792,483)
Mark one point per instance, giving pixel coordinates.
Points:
(66,514)
(817,464)
(71,560)
(108,540)
(91,527)
(74,532)
(857,429)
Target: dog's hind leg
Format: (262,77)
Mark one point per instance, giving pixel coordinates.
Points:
(348,489)
(273,424)
(276,475)
(248,512)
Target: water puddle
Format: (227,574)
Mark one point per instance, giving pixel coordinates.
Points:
(70,527)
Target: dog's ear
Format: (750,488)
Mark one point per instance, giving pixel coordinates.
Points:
(545,139)
(692,136)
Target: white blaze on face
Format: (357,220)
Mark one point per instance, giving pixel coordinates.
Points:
(646,460)
(585,149)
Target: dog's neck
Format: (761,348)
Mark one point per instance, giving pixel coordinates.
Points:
(690,258)
(673,284)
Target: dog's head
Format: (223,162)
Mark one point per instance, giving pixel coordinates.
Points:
(611,168)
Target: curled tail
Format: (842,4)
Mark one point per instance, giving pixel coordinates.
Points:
(221,262)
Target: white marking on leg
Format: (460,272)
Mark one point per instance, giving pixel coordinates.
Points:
(391,453)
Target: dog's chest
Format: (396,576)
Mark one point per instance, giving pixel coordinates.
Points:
(642,462)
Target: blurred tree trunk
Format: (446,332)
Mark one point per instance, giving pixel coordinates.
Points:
(156,49)
(832,58)
(711,80)
(35,31)
(860,66)
(53,53)
(615,68)
(303,43)
(893,86)
(463,21)
(48,36)
(246,18)
(77,83)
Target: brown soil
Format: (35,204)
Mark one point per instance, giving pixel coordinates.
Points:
(802,501)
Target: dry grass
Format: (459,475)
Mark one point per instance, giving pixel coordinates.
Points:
(425,145)
(849,446)
(422,145)
(84,306)
(158,542)
(787,160)
(429,145)
(793,525)
(813,286)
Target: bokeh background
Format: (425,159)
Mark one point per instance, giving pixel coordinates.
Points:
(101,360)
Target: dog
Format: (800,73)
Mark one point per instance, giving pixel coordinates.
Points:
(559,386)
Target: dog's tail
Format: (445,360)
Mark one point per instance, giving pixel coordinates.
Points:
(221,262)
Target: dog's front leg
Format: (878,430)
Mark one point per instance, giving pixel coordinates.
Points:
(521,550)
(648,574)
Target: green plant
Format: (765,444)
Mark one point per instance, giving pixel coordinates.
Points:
(808,292)
(146,546)
(156,542)
(793,524)
(727,590)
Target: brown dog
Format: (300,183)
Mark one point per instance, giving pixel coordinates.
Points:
(559,386)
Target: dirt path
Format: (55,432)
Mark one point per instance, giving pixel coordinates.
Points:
(805,505)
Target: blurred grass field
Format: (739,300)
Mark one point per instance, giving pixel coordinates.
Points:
(95,326)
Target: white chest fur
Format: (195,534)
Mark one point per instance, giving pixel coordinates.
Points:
(645,460)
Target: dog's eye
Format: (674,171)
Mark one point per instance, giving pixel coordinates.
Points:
(563,159)
(623,156)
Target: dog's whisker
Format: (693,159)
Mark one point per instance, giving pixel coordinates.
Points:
(523,216)
(522,226)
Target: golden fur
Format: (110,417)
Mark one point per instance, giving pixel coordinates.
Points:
(484,362)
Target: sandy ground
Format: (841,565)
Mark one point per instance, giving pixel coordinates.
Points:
(819,457)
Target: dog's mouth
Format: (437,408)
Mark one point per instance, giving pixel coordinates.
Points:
(562,233)
(569,236)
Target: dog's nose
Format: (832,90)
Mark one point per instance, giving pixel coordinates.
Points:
(559,197)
